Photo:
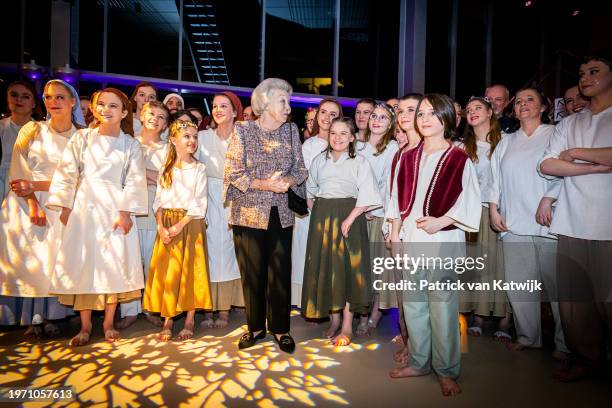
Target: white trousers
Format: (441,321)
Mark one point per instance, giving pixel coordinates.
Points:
(532,257)
(147,241)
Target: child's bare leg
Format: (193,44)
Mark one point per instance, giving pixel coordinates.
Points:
(82,337)
(346,333)
(110,334)
(362,327)
(375,315)
(334,325)
(223,319)
(166,332)
(187,331)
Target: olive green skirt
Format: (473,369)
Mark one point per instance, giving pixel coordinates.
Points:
(337,269)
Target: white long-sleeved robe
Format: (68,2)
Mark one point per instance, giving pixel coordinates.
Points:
(94,259)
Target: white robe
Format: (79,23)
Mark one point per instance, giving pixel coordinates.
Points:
(222,262)
(8,136)
(514,183)
(92,258)
(27,251)
(583,208)
(311,148)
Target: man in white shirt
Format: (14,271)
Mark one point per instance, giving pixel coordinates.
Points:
(580,151)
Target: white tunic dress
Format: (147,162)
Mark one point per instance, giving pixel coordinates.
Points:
(92,258)
(222,262)
(27,252)
(8,136)
(311,148)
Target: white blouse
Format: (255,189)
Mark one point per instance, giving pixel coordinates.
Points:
(381,166)
(583,207)
(515,185)
(211,152)
(187,191)
(343,178)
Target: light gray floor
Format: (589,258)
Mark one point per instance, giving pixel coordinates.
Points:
(210,371)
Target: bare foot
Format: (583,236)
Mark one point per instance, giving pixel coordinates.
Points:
(164,335)
(33,333)
(81,339)
(126,322)
(208,322)
(449,387)
(407,371)
(342,339)
(401,356)
(111,335)
(223,319)
(331,330)
(154,320)
(362,328)
(515,346)
(186,333)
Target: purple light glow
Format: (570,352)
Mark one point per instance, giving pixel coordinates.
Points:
(301,100)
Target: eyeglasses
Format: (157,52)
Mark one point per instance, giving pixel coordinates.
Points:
(182,124)
(381,118)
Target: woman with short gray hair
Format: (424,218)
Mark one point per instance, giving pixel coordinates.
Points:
(263,160)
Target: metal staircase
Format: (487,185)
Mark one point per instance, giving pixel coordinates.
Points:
(200,25)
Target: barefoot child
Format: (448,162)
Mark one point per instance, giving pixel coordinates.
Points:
(178,275)
(99,186)
(154,118)
(337,269)
(435,199)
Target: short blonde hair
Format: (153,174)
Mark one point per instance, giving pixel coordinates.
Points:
(262,92)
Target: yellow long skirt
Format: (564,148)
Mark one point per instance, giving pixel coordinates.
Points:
(178,277)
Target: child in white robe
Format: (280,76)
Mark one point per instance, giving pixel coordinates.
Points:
(99,186)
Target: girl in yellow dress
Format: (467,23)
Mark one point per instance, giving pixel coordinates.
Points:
(178,276)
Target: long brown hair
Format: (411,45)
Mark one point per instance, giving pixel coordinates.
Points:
(135,92)
(127,123)
(389,136)
(175,130)
(315,125)
(493,136)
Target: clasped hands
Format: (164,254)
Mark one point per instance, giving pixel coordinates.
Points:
(276,183)
(166,234)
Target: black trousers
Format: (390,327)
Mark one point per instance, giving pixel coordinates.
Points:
(264,259)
